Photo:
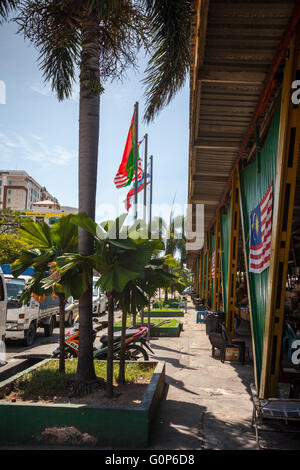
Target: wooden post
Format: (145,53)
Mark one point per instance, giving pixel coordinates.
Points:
(233,252)
(208,290)
(217,282)
(201,274)
(205,277)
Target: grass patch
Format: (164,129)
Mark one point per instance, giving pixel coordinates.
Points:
(166,309)
(166,304)
(172,322)
(46,382)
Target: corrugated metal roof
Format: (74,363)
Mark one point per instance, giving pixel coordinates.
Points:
(233,49)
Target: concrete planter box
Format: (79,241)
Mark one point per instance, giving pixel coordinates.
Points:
(22,423)
(162,331)
(165,331)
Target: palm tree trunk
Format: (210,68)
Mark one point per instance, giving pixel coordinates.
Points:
(122,351)
(134,319)
(62,303)
(149,316)
(89,107)
(110,346)
(142,316)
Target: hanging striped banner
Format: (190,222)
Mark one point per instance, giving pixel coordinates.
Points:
(260,233)
(213,265)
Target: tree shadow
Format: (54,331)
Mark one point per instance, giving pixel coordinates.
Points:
(173,361)
(177,425)
(186,425)
(165,348)
(178,384)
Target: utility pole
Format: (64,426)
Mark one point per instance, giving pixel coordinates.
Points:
(145,178)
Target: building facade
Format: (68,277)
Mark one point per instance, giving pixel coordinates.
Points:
(19,191)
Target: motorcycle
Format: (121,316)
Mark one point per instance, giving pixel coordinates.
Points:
(133,351)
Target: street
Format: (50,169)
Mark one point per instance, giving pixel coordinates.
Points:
(45,346)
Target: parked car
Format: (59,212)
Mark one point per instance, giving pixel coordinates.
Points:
(23,318)
(188,290)
(3,306)
(99,299)
(71,310)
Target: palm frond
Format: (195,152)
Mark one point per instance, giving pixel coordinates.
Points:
(170,59)
(55,34)
(105,7)
(6,6)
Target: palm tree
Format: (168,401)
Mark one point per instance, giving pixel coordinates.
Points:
(101,38)
(138,292)
(118,261)
(130,273)
(173,237)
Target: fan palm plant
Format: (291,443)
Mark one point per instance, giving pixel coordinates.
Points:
(129,273)
(138,292)
(48,245)
(120,261)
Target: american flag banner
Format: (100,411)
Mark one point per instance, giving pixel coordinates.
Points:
(126,172)
(260,233)
(123,180)
(213,262)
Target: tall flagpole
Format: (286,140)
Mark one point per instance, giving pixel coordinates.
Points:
(145,177)
(151,190)
(150,226)
(136,130)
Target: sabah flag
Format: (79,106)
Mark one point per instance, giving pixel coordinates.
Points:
(126,172)
(260,233)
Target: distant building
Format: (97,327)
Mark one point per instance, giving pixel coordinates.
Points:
(19,191)
(46,204)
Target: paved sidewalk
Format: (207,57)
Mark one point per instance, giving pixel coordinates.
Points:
(207,403)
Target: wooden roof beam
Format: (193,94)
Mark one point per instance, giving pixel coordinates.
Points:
(200,144)
(231,77)
(210,177)
(209,202)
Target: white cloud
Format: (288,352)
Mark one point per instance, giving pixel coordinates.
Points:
(17,148)
(46,90)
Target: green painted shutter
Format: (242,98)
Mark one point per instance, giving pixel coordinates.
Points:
(225,238)
(253,187)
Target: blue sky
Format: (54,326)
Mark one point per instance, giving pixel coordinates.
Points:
(38,134)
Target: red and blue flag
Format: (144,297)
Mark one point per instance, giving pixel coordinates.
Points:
(261,233)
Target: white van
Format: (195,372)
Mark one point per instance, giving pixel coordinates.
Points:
(99,299)
(23,319)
